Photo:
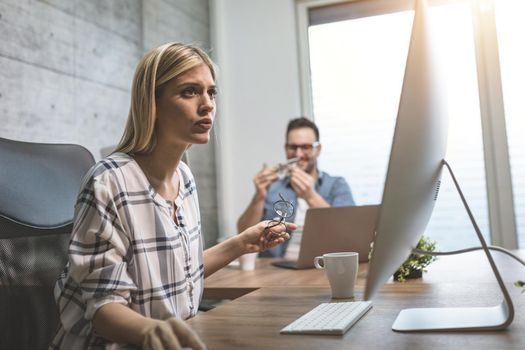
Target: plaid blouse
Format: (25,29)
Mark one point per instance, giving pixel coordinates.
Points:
(126,248)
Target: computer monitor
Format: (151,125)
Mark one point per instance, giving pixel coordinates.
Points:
(415,165)
(412,184)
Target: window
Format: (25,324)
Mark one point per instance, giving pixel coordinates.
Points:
(510,30)
(355,94)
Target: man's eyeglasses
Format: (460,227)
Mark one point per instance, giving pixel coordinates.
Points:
(307,147)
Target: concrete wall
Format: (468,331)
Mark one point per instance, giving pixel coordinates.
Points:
(66,68)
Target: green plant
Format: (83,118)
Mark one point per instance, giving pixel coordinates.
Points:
(520,284)
(416,262)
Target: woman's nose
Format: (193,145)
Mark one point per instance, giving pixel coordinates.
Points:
(207,104)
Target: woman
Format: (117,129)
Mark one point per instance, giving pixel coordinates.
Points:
(136,263)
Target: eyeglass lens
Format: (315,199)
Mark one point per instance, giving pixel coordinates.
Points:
(283,207)
(303,147)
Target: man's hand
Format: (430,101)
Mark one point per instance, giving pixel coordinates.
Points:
(263,179)
(302,183)
(171,334)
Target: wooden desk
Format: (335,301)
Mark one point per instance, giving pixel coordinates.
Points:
(275,297)
(231,282)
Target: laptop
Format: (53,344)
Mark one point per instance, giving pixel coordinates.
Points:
(335,229)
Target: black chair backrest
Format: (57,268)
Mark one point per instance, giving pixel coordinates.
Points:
(38,188)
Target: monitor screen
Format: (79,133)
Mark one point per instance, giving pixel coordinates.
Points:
(414,168)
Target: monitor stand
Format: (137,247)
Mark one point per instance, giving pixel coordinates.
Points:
(465,318)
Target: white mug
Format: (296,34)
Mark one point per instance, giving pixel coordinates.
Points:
(341,269)
(247,261)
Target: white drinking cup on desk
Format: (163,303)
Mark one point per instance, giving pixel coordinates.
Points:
(247,261)
(341,269)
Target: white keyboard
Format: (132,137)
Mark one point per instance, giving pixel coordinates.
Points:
(329,318)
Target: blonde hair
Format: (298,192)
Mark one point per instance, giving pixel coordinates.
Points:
(157,67)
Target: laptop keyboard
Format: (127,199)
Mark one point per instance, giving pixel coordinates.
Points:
(329,318)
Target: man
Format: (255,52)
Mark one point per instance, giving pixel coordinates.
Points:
(304,186)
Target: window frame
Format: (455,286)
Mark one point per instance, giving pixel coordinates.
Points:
(502,219)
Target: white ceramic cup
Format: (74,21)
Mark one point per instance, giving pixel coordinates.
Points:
(247,261)
(341,269)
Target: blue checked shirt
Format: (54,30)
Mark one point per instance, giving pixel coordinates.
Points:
(126,248)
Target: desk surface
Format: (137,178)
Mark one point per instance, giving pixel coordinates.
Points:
(269,298)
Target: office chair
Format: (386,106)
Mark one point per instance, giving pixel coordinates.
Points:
(38,187)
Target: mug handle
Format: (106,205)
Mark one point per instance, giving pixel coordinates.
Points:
(317,265)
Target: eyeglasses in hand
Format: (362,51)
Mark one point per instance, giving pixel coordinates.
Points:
(284,209)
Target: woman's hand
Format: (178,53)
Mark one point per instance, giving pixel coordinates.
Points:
(171,334)
(260,237)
